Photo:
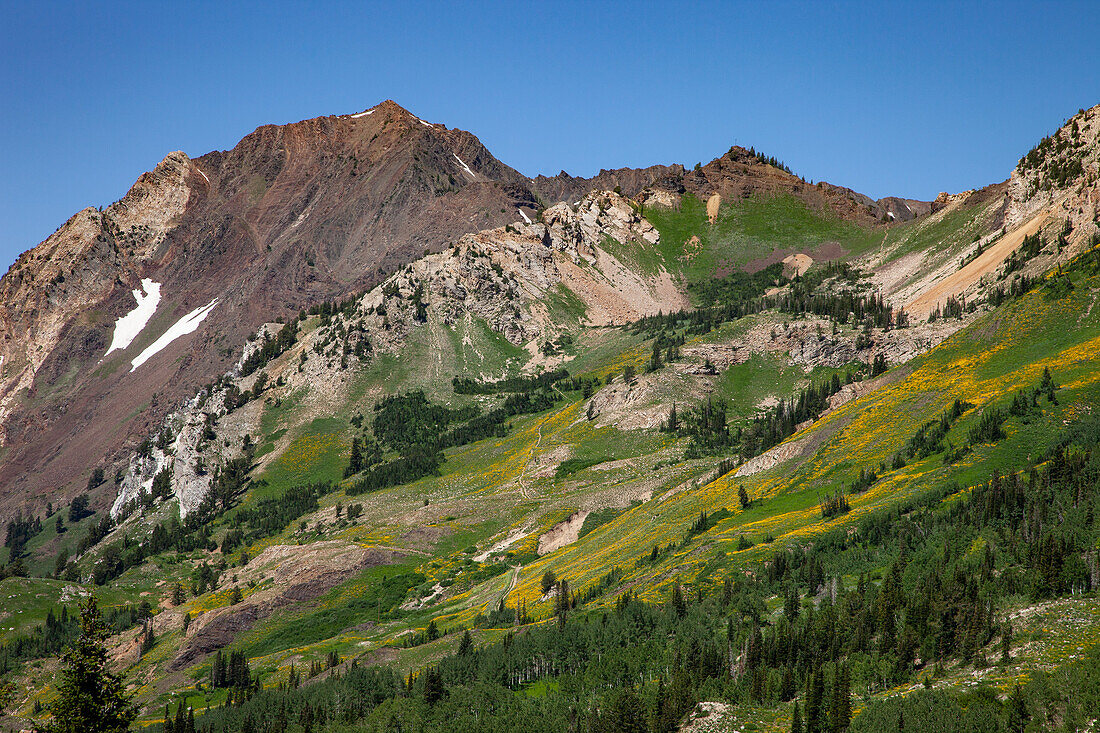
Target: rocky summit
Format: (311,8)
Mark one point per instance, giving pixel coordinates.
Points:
(355,427)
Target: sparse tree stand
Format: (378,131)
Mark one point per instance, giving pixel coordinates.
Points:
(91,698)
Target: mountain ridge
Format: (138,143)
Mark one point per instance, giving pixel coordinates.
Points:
(291,215)
(721,411)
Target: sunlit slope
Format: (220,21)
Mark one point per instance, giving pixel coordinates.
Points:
(985,364)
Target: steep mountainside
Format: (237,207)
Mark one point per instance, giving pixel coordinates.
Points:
(673,457)
(292,215)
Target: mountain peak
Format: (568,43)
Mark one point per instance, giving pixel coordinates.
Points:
(391,110)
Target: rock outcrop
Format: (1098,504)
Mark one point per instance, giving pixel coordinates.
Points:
(1061,174)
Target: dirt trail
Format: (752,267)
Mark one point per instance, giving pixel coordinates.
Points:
(530,458)
(1087,313)
(955,284)
(511,587)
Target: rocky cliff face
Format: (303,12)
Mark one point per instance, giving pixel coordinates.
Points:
(56,287)
(1062,175)
(292,215)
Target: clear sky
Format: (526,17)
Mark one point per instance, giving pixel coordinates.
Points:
(904,99)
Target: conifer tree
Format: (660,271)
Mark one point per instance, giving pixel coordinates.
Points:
(678,604)
(90,696)
(840,711)
(796,720)
(148,638)
(1018,714)
(180,726)
(814,698)
(673,424)
(743,497)
(466,645)
(356,464)
(433,686)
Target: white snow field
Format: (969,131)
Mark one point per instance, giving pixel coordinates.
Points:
(129,326)
(362,114)
(182,327)
(472,174)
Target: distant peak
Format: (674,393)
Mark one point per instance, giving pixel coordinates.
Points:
(391,106)
(388,108)
(391,110)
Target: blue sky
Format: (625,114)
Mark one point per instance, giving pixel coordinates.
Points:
(889,99)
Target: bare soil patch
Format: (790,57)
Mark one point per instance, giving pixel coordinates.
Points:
(987,262)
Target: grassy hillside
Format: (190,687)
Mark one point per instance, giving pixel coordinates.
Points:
(750,230)
(304,569)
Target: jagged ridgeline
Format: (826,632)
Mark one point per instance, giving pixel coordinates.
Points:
(665,449)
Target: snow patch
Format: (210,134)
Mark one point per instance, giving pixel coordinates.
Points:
(129,326)
(428,124)
(466,167)
(362,114)
(202,174)
(182,327)
(524,215)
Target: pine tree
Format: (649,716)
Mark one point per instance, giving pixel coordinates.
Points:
(743,497)
(148,638)
(796,721)
(433,686)
(840,713)
(217,670)
(673,424)
(655,358)
(356,464)
(792,604)
(180,726)
(814,698)
(90,696)
(657,710)
(1018,715)
(625,713)
(678,604)
(563,602)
